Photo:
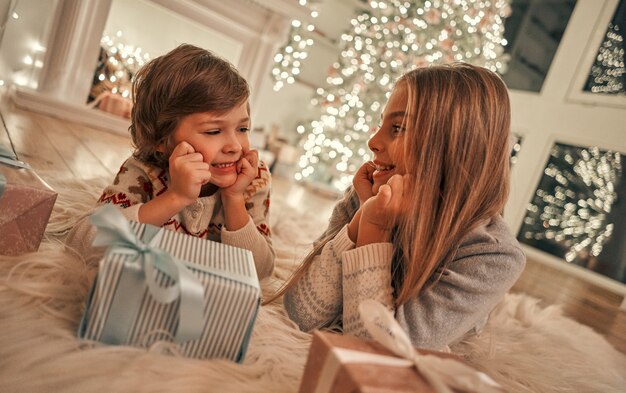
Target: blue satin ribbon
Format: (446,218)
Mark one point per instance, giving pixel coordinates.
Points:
(115,233)
(9,158)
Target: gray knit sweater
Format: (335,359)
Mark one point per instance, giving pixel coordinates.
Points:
(486,265)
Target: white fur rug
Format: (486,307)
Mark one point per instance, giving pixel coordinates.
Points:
(524,347)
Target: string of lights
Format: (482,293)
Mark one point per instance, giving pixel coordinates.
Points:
(289,58)
(607,72)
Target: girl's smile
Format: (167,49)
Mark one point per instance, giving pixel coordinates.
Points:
(382,169)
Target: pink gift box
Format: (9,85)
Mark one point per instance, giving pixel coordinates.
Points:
(26,203)
(327,370)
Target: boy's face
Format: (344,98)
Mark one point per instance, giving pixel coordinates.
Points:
(221,138)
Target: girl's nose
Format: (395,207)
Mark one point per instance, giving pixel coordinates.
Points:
(374,143)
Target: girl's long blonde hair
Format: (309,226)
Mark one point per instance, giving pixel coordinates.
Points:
(456,148)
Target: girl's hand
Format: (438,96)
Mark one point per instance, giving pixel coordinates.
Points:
(383,210)
(188,173)
(363,182)
(247,170)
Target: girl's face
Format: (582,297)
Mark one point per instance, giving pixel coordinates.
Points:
(222,139)
(387,143)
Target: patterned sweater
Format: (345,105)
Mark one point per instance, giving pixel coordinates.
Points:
(138,182)
(487,263)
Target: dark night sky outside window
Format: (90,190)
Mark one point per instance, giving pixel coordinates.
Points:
(534,31)
(577,212)
(607,74)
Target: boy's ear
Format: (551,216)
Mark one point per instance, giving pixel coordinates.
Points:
(160,148)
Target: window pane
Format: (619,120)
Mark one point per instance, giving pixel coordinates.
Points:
(578,210)
(607,74)
(533,32)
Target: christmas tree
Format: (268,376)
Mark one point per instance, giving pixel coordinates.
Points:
(608,73)
(570,214)
(386,39)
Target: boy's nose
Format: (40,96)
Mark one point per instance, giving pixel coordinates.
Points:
(232,146)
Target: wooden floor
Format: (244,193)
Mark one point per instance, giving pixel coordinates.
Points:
(60,150)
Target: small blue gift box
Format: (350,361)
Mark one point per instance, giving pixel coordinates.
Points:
(157,285)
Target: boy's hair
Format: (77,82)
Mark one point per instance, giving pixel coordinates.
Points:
(457,151)
(186,80)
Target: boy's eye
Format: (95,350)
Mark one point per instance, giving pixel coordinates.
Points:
(244,129)
(211,132)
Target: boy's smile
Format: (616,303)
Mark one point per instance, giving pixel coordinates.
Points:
(224,167)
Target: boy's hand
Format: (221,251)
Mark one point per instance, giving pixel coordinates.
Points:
(363,182)
(188,173)
(383,210)
(247,170)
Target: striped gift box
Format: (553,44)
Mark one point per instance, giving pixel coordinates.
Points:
(231,297)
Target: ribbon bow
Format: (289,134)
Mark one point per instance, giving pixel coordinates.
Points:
(9,158)
(115,232)
(443,374)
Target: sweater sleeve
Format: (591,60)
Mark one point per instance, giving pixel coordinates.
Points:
(131,188)
(486,266)
(255,235)
(366,275)
(316,299)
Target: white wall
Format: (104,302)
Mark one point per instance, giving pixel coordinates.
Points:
(157,30)
(292,104)
(283,109)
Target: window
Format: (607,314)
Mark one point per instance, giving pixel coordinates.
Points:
(533,32)
(578,208)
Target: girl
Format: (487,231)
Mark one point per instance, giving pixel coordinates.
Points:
(421,230)
(193,170)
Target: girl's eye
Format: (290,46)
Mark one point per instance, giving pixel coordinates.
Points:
(212,132)
(244,129)
(397,129)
